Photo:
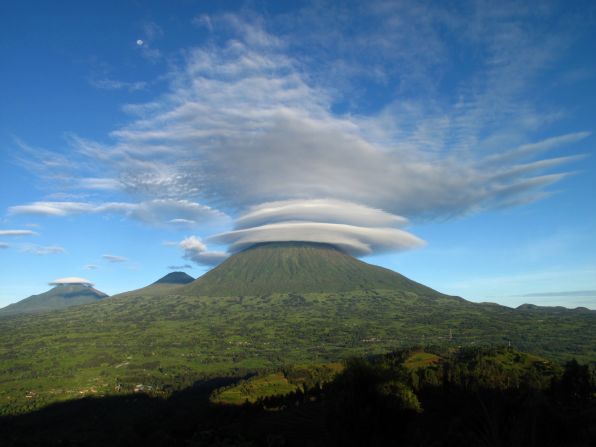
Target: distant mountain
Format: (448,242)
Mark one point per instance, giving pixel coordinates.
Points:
(175,278)
(297,267)
(60,297)
(166,285)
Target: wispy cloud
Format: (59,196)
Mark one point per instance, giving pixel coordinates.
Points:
(113,84)
(251,118)
(18,233)
(565,293)
(114,258)
(298,149)
(156,212)
(180,267)
(102,77)
(41,250)
(91,267)
(3,245)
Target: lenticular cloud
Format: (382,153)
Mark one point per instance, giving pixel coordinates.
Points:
(354,228)
(318,210)
(247,129)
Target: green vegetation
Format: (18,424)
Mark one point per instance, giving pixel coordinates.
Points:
(298,267)
(421,359)
(165,337)
(167,343)
(267,384)
(255,388)
(466,397)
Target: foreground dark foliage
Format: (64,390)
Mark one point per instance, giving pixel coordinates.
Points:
(465,400)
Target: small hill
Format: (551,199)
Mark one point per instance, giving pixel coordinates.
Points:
(297,267)
(166,285)
(59,297)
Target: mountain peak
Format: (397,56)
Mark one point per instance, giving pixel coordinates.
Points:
(59,297)
(175,278)
(297,267)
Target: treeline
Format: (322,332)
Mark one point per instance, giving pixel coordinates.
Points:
(472,397)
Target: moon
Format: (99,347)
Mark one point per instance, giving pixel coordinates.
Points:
(140,42)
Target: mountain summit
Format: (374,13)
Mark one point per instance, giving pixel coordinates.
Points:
(63,295)
(175,278)
(297,267)
(164,286)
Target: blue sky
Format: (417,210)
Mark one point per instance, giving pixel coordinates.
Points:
(452,143)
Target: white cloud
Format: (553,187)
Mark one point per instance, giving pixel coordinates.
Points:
(355,228)
(242,125)
(114,258)
(193,243)
(249,124)
(71,280)
(105,184)
(318,210)
(41,250)
(91,267)
(18,233)
(155,212)
(195,250)
(358,241)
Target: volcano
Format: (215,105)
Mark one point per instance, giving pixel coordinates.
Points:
(166,285)
(297,267)
(59,297)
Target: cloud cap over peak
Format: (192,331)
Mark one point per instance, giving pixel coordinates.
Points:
(355,228)
(71,280)
(358,241)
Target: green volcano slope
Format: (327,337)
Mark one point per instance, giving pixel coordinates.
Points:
(159,343)
(59,297)
(298,267)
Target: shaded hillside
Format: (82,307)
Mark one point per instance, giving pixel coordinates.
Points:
(298,267)
(468,398)
(60,297)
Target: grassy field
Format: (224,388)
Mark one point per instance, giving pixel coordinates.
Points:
(421,359)
(250,390)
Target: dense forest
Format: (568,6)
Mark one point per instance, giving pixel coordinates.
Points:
(411,397)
